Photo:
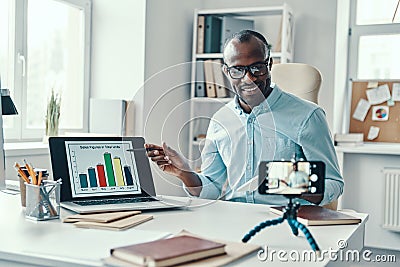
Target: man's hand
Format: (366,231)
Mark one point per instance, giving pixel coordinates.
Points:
(167,159)
(174,163)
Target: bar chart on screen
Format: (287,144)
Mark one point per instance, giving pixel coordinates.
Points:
(100,167)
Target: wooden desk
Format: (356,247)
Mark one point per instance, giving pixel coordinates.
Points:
(53,243)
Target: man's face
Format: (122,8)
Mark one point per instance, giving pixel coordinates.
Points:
(251,90)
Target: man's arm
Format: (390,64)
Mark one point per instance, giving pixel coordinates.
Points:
(173,163)
(317,144)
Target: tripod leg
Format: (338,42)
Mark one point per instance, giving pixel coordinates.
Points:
(294,228)
(259,227)
(307,234)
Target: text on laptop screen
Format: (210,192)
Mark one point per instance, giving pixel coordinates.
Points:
(98,168)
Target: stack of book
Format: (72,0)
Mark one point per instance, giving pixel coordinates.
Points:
(184,249)
(108,220)
(350,139)
(168,252)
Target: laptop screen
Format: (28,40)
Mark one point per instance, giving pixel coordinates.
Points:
(101,167)
(98,168)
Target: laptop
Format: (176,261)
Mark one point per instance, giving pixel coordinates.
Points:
(102,174)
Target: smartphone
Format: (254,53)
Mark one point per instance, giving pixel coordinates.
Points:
(291,178)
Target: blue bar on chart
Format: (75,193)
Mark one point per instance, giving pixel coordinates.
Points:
(83,180)
(92,177)
(128,175)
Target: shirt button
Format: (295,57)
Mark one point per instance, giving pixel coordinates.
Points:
(248,167)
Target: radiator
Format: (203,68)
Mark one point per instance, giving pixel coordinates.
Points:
(392,199)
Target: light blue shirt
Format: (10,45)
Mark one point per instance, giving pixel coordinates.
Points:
(281,127)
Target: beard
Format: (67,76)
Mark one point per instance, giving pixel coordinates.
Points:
(254,93)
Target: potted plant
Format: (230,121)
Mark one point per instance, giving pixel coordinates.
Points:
(53,114)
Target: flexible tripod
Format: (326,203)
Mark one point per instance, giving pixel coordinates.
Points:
(290,214)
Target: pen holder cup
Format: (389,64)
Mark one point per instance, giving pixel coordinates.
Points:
(22,187)
(43,202)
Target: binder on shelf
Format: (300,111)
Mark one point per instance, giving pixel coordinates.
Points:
(209,77)
(200,90)
(232,25)
(278,44)
(212,34)
(220,86)
(200,34)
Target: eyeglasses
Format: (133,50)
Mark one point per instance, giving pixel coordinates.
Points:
(256,70)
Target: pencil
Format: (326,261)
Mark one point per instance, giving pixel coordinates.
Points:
(31,173)
(23,175)
(39,179)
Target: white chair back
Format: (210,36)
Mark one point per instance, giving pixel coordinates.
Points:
(299,79)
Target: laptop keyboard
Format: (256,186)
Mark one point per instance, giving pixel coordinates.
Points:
(114,201)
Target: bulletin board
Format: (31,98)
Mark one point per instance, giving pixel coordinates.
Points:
(390,129)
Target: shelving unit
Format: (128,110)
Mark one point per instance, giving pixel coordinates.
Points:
(275,22)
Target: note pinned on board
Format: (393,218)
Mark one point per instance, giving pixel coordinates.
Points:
(361,110)
(372,85)
(390,103)
(378,95)
(373,133)
(396,92)
(380,113)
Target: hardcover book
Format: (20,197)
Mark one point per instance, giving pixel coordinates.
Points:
(168,252)
(317,215)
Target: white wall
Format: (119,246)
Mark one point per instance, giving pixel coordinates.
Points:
(118,30)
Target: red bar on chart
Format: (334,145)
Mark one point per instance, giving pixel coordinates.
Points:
(101,175)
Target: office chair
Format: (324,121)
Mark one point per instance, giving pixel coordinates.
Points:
(303,81)
(299,79)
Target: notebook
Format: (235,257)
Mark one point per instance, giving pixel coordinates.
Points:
(105,174)
(317,215)
(168,252)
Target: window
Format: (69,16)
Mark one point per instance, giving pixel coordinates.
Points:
(374,40)
(51,47)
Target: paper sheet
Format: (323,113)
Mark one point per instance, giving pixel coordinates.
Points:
(361,110)
(396,92)
(378,95)
(380,113)
(373,132)
(372,85)
(390,102)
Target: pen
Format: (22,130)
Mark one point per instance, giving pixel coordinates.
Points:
(147,149)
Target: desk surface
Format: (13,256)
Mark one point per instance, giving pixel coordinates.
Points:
(53,243)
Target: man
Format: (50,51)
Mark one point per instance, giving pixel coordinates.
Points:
(297,178)
(261,123)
